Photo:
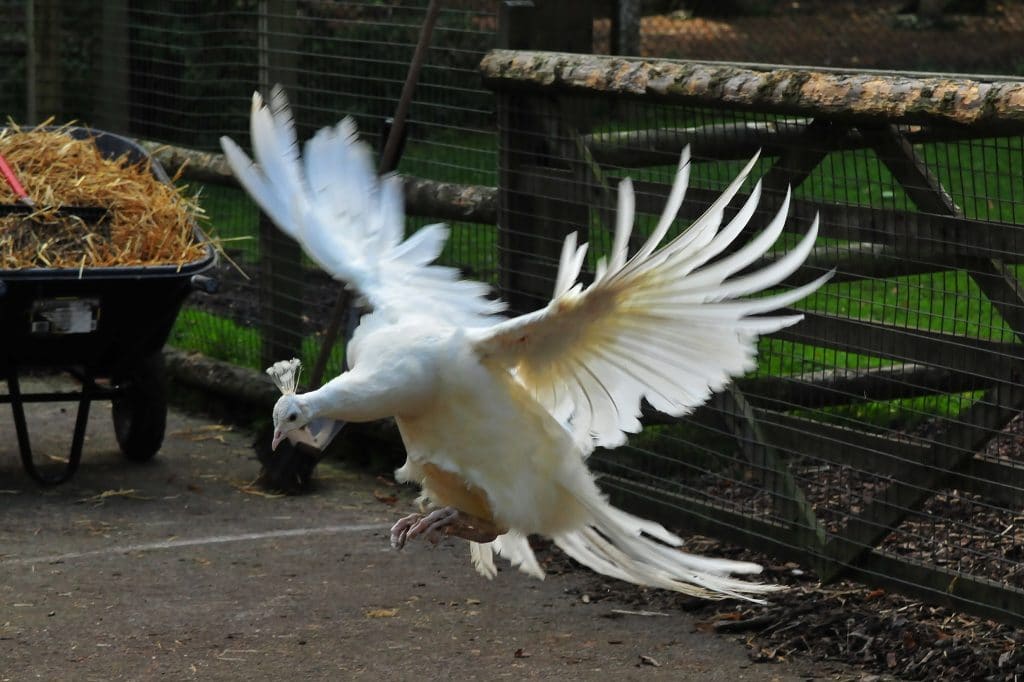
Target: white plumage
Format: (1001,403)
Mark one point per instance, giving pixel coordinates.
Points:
(499,415)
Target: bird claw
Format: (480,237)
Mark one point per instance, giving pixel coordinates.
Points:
(400,531)
(439,524)
(432,526)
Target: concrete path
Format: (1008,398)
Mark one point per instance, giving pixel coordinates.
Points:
(176,569)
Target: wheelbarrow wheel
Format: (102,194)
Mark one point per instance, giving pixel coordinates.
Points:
(140,412)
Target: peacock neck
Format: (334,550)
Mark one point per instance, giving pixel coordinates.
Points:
(349,397)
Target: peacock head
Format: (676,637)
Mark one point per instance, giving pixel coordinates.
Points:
(289,413)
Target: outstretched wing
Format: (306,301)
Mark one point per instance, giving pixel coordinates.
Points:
(348,221)
(666,325)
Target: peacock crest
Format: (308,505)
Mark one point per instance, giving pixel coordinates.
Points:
(285,375)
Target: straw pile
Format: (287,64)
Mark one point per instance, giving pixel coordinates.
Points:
(147,222)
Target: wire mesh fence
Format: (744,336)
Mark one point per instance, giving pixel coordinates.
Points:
(872,34)
(877,439)
(182,73)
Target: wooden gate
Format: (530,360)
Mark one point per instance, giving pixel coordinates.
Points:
(571,124)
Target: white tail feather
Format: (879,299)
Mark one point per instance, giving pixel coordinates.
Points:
(483,559)
(619,545)
(513,546)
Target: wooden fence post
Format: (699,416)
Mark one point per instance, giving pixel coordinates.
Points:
(625,35)
(280,257)
(113,90)
(44,79)
(538,202)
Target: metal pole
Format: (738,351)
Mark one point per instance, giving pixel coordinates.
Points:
(388,162)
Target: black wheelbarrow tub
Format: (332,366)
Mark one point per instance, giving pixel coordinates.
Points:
(104,325)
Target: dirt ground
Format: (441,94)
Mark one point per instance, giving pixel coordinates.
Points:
(178,569)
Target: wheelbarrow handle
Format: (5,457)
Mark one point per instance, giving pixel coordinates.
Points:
(14,183)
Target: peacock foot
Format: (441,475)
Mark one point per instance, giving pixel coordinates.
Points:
(442,523)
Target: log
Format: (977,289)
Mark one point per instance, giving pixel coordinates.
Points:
(894,98)
(423,198)
(192,163)
(239,384)
(451,201)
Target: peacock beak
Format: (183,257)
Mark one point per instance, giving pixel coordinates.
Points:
(278,437)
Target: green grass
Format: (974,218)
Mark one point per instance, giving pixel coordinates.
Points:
(216,337)
(948,302)
(895,415)
(983,180)
(231,217)
(462,156)
(223,339)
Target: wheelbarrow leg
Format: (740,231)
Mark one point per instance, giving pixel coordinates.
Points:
(20,427)
(25,446)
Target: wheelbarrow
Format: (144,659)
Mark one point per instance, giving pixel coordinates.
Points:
(105,326)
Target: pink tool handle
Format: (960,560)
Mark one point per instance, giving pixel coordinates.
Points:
(12,180)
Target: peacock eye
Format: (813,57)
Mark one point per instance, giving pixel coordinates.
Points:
(292,417)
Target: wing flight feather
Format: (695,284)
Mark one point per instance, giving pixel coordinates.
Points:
(347,220)
(667,325)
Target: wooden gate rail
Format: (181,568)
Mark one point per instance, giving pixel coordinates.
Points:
(855,97)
